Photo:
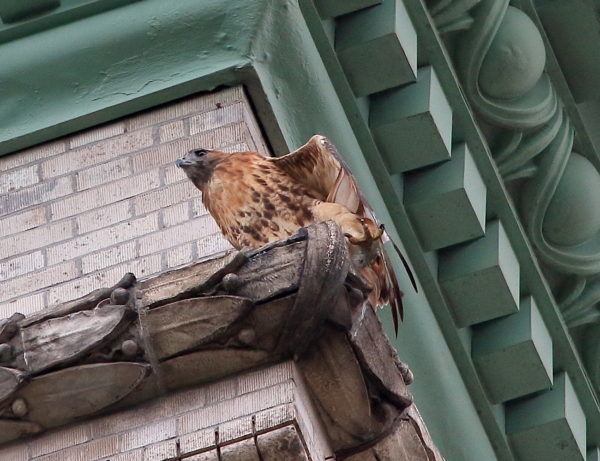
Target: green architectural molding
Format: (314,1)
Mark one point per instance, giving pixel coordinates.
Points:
(284,53)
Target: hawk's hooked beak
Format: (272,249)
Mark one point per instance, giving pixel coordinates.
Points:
(180,162)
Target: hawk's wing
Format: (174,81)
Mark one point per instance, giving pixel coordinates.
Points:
(319,166)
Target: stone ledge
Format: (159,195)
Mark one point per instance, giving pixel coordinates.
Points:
(297,298)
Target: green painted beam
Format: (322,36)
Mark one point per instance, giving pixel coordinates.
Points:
(398,114)
(446,203)
(51,87)
(377,47)
(549,426)
(514,354)
(481,278)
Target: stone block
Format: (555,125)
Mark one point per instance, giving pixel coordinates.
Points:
(397,115)
(377,47)
(446,203)
(513,355)
(549,426)
(333,8)
(481,278)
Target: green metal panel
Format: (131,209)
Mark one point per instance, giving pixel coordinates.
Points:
(398,114)
(593,454)
(446,203)
(549,426)
(110,64)
(514,354)
(369,41)
(481,278)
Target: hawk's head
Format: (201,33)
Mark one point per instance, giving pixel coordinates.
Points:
(199,164)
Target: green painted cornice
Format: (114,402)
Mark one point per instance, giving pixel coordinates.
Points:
(104,66)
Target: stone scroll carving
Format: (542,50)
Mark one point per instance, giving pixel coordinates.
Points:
(295,298)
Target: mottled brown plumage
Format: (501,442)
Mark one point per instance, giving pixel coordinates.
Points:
(256,200)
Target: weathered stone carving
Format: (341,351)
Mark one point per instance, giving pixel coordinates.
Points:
(294,298)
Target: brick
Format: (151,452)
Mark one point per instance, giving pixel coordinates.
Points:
(35,238)
(166,154)
(15,452)
(97,134)
(161,451)
(212,245)
(20,265)
(179,256)
(186,400)
(235,429)
(22,221)
(171,131)
(198,208)
(26,305)
(141,267)
(210,455)
(177,235)
(126,420)
(133,455)
(19,178)
(266,377)
(34,195)
(146,435)
(186,107)
(237,407)
(164,197)
(221,390)
(175,214)
(91,451)
(101,174)
(102,238)
(103,217)
(197,439)
(37,280)
(32,154)
(99,152)
(57,440)
(216,118)
(103,195)
(109,257)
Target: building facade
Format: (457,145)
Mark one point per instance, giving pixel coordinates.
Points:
(470,126)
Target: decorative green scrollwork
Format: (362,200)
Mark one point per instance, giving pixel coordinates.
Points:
(500,60)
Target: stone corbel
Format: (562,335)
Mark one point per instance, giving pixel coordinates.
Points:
(137,340)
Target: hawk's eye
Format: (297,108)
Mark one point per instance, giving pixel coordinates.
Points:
(200,152)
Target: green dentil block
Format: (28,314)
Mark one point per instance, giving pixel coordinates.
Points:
(377,47)
(550,426)
(412,125)
(481,278)
(446,203)
(513,354)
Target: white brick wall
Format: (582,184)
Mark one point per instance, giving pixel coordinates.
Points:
(272,397)
(78,212)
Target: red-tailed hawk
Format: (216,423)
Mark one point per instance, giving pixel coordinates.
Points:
(256,200)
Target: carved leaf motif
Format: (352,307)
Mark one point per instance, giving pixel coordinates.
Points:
(59,397)
(188,323)
(333,374)
(9,382)
(209,365)
(55,341)
(11,429)
(376,355)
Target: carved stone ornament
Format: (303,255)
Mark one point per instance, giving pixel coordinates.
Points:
(295,298)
